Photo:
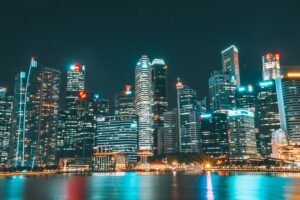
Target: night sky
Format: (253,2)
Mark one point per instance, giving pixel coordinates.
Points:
(109,36)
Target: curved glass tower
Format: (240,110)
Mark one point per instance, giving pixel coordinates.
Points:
(144,103)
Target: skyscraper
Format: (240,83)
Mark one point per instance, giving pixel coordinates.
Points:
(242,141)
(271,66)
(48,116)
(124,102)
(43,89)
(75,84)
(6,107)
(159,85)
(245,98)
(214,135)
(119,134)
(170,132)
(85,136)
(144,103)
(16,139)
(267,115)
(31,121)
(221,92)
(288,89)
(230,62)
(188,119)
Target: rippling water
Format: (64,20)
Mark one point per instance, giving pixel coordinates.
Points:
(151,186)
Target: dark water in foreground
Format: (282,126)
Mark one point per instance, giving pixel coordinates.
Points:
(155,187)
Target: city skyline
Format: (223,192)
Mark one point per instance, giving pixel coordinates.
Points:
(96,41)
(149,99)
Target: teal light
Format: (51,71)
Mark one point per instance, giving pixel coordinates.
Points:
(204,116)
(241,89)
(265,83)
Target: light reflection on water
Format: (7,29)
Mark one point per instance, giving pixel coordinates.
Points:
(156,186)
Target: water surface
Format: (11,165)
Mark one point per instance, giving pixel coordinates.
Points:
(135,186)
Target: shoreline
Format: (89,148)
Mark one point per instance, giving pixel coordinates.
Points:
(199,172)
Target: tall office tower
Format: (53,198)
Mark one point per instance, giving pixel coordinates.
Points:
(124,102)
(188,119)
(61,128)
(245,98)
(32,116)
(230,62)
(266,116)
(91,106)
(75,84)
(119,134)
(271,66)
(242,141)
(48,116)
(6,107)
(160,101)
(214,135)
(288,91)
(144,103)
(88,112)
(170,132)
(16,139)
(221,92)
(40,119)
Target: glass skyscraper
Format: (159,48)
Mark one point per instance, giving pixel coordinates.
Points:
(214,135)
(267,115)
(230,62)
(170,132)
(242,141)
(159,85)
(73,124)
(50,80)
(288,89)
(144,103)
(188,119)
(221,92)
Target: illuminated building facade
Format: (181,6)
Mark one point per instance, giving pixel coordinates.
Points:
(221,92)
(144,103)
(214,135)
(84,140)
(6,107)
(245,98)
(50,80)
(288,87)
(230,62)
(43,91)
(16,139)
(188,119)
(119,133)
(170,132)
(241,131)
(73,124)
(124,102)
(160,101)
(271,66)
(267,115)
